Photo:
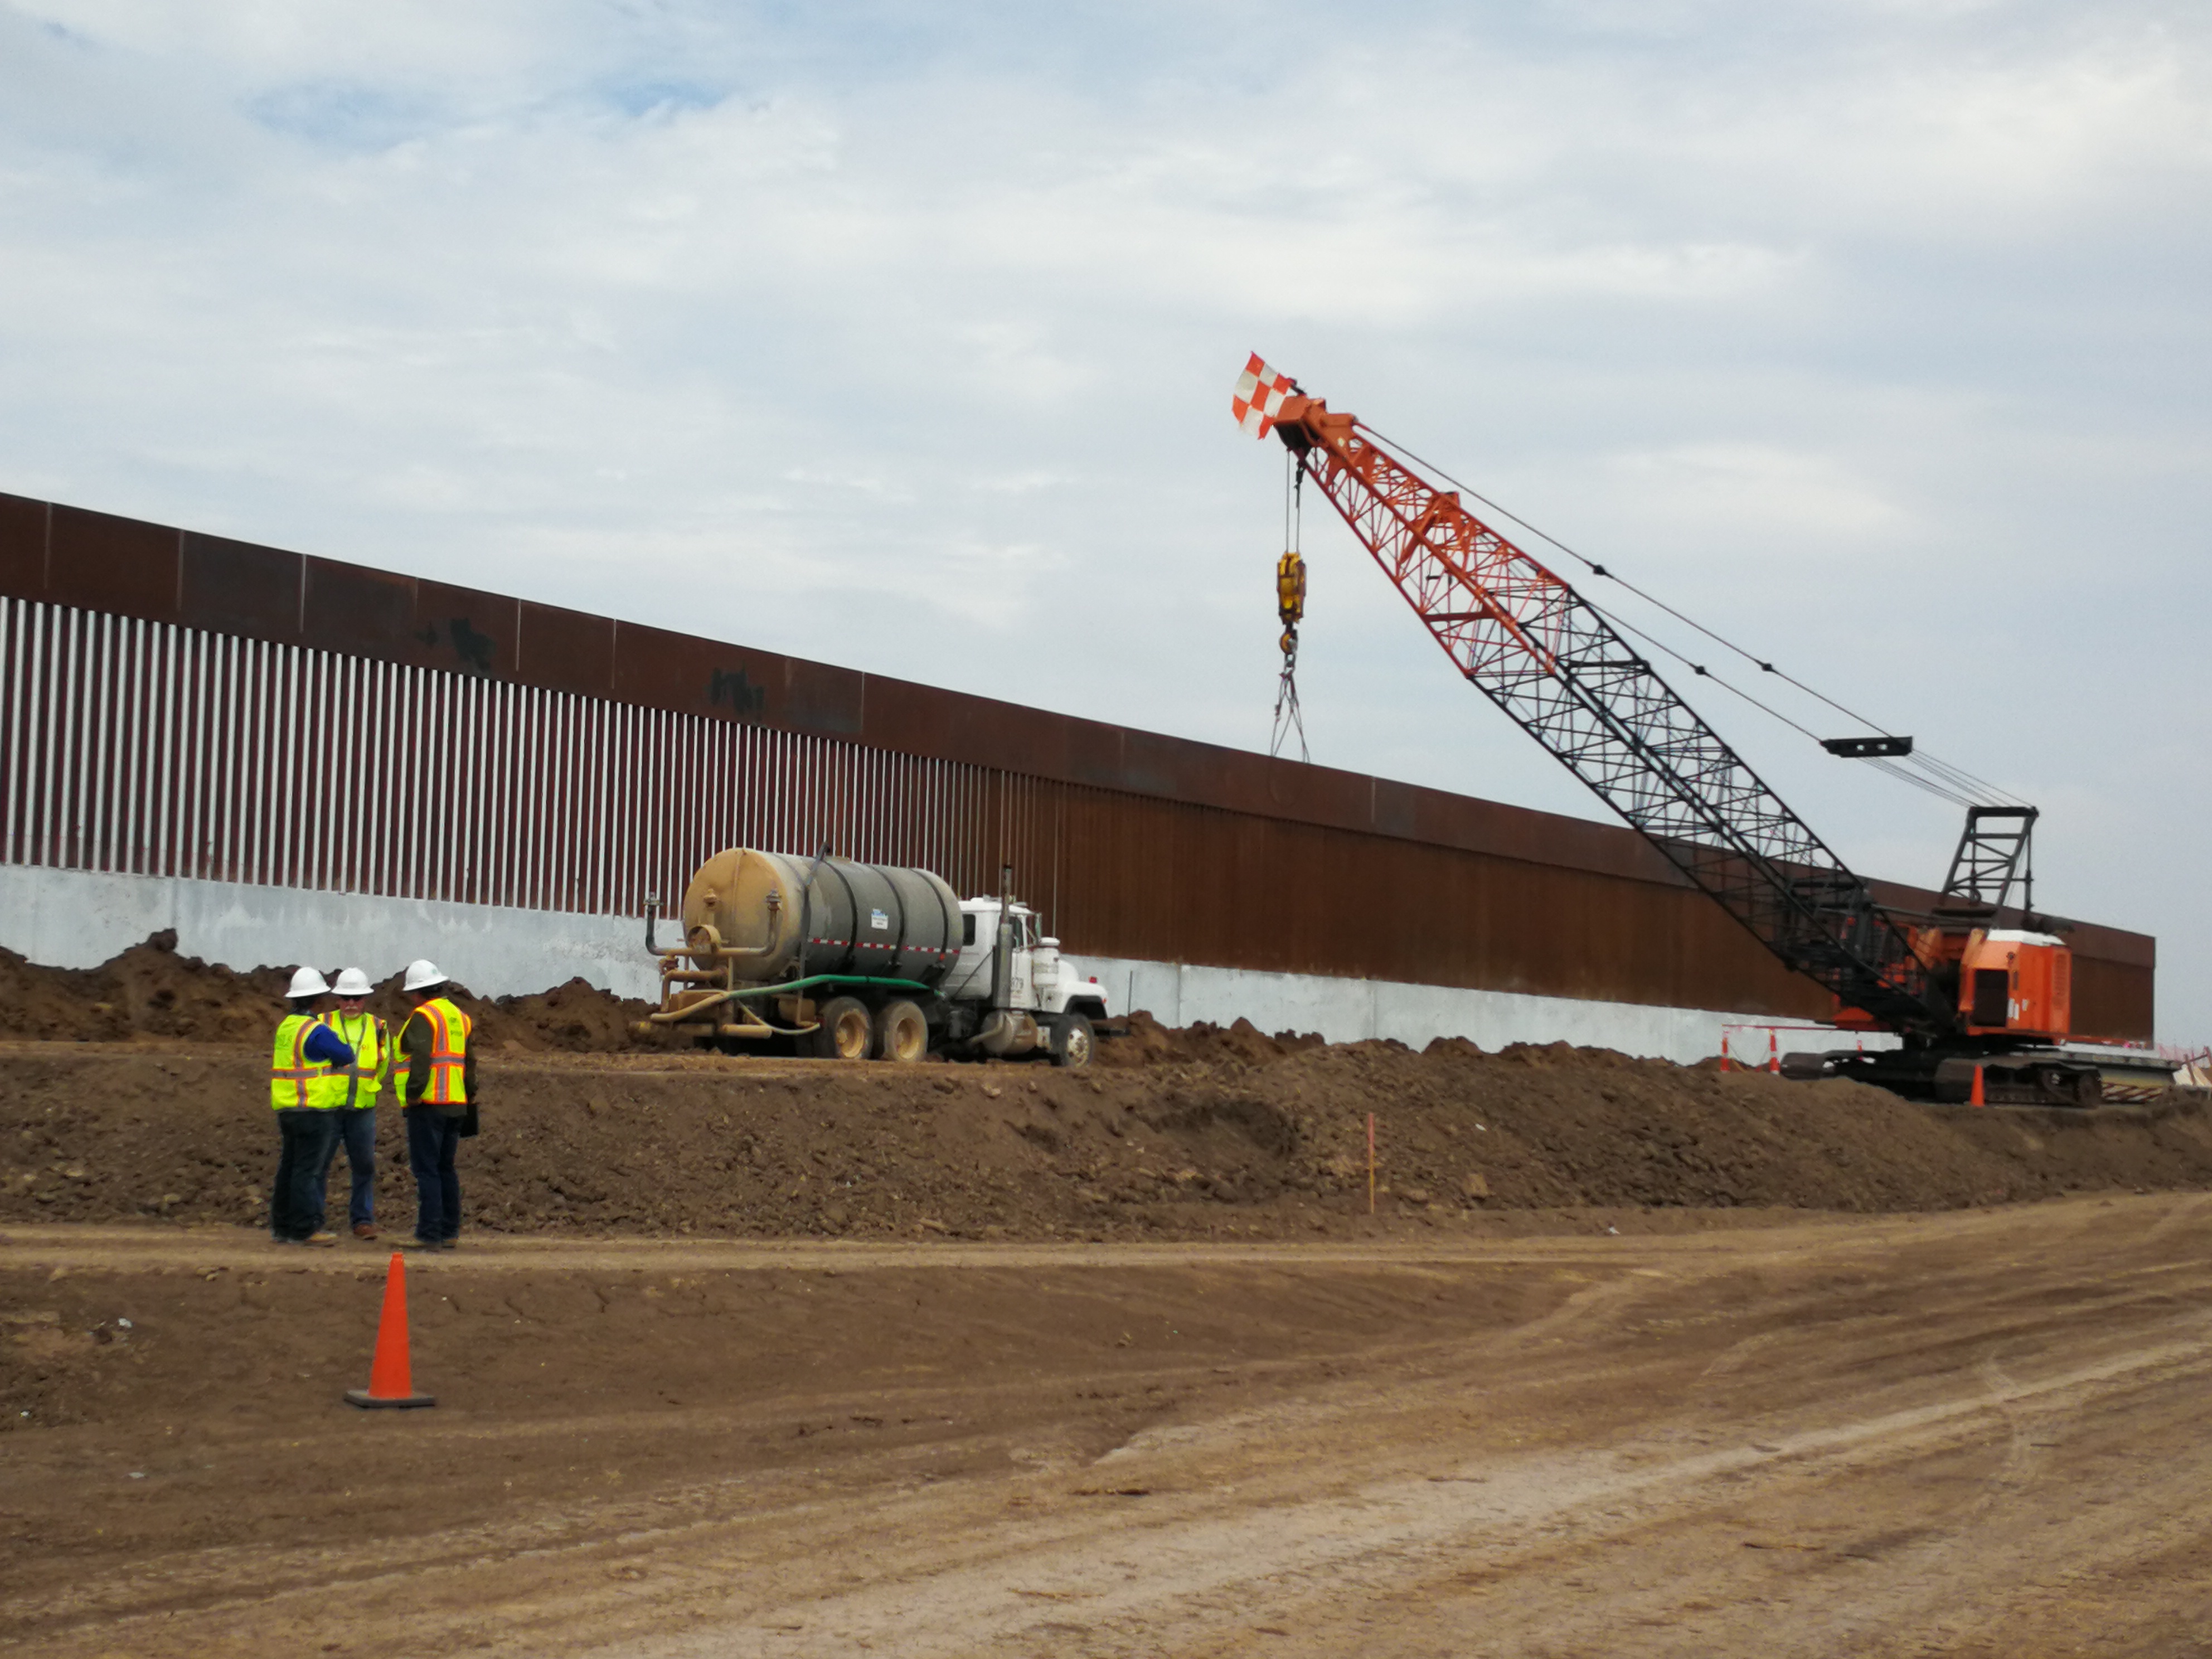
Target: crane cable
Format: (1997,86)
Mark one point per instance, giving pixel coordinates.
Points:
(1929,785)
(1927,772)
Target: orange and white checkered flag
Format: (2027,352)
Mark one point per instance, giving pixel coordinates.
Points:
(1259,400)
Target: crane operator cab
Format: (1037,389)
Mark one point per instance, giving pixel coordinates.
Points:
(2009,981)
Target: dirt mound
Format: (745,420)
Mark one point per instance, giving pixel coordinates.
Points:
(660,1144)
(151,991)
(1150,1044)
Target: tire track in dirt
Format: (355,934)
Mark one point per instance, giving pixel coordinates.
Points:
(1895,1420)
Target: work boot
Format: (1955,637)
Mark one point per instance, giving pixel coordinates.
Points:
(320,1239)
(364,1230)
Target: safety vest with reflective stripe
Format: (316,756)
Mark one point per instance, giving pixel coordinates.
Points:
(296,1081)
(366,1035)
(449,1054)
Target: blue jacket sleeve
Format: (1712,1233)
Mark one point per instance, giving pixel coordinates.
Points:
(326,1045)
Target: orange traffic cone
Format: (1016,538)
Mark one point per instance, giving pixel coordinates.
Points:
(390,1379)
(1975,1097)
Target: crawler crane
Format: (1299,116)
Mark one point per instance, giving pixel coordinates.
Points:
(1980,1010)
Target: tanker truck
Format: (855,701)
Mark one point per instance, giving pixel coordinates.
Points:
(847,961)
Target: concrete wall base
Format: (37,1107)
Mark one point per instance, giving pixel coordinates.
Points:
(1354,1009)
(79,919)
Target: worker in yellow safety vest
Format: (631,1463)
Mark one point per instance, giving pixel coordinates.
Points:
(440,1098)
(364,1083)
(306,1091)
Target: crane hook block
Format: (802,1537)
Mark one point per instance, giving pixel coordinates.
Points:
(1291,589)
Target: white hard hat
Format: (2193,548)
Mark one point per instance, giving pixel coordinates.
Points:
(422,974)
(309,982)
(352,982)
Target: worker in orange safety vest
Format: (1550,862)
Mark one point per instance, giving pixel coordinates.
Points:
(438,1094)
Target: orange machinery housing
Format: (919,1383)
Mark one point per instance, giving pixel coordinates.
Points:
(2005,982)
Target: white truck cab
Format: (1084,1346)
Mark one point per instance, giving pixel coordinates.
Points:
(1044,1005)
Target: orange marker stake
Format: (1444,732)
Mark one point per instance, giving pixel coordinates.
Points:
(1977,1097)
(1371,1163)
(391,1377)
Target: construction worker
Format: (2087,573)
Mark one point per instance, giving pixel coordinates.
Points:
(304,1093)
(441,1102)
(365,1079)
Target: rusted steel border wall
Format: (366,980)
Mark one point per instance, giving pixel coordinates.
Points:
(178,704)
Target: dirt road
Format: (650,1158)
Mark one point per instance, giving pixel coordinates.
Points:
(1973,1433)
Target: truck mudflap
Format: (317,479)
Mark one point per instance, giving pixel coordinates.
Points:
(2042,1076)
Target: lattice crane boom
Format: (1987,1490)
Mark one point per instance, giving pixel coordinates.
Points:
(1524,638)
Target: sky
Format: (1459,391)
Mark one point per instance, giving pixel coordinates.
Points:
(1872,335)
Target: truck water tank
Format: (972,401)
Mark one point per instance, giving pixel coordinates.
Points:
(876,920)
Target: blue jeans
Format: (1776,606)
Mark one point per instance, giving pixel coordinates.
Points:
(432,1141)
(303,1163)
(357,1134)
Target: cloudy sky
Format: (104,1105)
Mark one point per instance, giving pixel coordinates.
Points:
(1873,334)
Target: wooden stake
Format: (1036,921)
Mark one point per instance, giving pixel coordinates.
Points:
(1371,1163)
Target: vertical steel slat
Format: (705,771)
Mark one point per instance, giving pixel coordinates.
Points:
(467,787)
(300,766)
(258,711)
(13,614)
(538,730)
(57,713)
(563,816)
(11,715)
(101,712)
(496,840)
(176,781)
(528,804)
(375,784)
(84,694)
(161,795)
(232,755)
(277,717)
(437,837)
(130,750)
(420,760)
(612,728)
(69,684)
(191,650)
(513,812)
(611,743)
(594,731)
(322,765)
(352,759)
(216,753)
(406,760)
(437,832)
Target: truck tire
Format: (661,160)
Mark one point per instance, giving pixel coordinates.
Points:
(1072,1042)
(847,1032)
(902,1033)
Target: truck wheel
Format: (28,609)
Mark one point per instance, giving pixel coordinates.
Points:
(847,1032)
(1072,1042)
(901,1034)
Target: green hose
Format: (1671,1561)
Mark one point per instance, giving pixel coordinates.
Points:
(790,985)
